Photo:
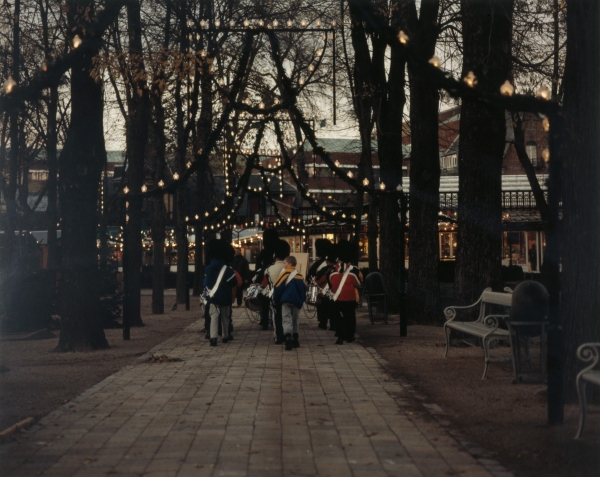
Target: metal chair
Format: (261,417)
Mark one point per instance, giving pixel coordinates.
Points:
(376,295)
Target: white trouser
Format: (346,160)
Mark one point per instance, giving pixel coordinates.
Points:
(289,315)
(221,312)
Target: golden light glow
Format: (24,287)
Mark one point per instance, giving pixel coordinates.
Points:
(144,189)
(382,186)
(126,190)
(77,41)
(543,93)
(470,80)
(365,182)
(435,61)
(403,37)
(9,85)
(161,183)
(507,89)
(176,177)
(546,124)
(546,154)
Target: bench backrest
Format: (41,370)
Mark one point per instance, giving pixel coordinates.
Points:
(495,298)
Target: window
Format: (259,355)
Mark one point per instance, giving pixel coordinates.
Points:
(531,149)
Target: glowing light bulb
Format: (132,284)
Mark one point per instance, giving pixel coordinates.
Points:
(303,23)
(543,93)
(289,23)
(318,23)
(403,37)
(218,23)
(382,186)
(275,23)
(189,23)
(144,189)
(206,214)
(77,41)
(261,23)
(176,177)
(470,80)
(276,101)
(337,163)
(365,182)
(126,190)
(203,53)
(435,61)
(333,23)
(221,82)
(350,175)
(161,184)
(311,68)
(246,23)
(546,124)
(231,23)
(301,81)
(9,85)
(261,106)
(507,89)
(203,23)
(546,154)
(319,52)
(187,219)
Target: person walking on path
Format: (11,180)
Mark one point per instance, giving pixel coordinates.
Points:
(344,282)
(263,262)
(282,250)
(322,278)
(316,271)
(241,266)
(290,294)
(218,282)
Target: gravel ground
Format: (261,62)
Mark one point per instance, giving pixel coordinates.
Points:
(35,379)
(509,420)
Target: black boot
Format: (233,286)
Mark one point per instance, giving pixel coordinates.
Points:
(207,336)
(339,341)
(213,342)
(289,343)
(295,340)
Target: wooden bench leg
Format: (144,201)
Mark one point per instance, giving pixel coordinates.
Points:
(447,333)
(582,403)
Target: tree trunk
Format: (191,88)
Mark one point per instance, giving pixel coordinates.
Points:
(424,301)
(137,137)
(52,184)
(487,52)
(81,162)
(580,281)
(372,234)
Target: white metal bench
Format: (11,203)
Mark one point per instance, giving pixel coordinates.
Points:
(486,326)
(588,353)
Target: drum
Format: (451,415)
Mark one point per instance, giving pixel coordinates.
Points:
(312,294)
(254,300)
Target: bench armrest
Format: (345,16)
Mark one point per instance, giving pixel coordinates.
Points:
(588,353)
(450,312)
(493,321)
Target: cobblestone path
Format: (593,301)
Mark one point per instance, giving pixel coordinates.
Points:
(248,408)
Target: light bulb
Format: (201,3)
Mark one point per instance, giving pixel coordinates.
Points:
(246,23)
(546,124)
(126,190)
(176,177)
(203,23)
(333,24)
(144,189)
(318,23)
(187,219)
(196,216)
(546,154)
(403,37)
(261,23)
(311,68)
(77,41)
(435,61)
(544,92)
(301,81)
(261,106)
(275,23)
(9,85)
(203,53)
(319,52)
(276,101)
(161,184)
(303,23)
(221,82)
(382,186)
(218,23)
(350,175)
(470,80)
(365,182)
(231,23)
(337,163)
(206,214)
(507,89)
(289,23)
(189,23)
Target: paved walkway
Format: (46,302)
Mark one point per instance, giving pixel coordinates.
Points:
(248,408)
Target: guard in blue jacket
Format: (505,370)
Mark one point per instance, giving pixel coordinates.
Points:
(219,299)
(290,292)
